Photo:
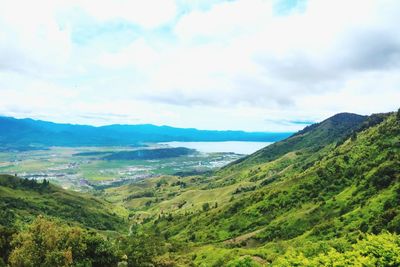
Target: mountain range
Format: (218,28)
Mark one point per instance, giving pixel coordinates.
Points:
(28,133)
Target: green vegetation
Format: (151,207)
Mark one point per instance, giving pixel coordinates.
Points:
(327,196)
(48,243)
(371,250)
(21,200)
(312,137)
(320,192)
(158,153)
(51,243)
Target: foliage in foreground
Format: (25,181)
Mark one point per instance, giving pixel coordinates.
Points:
(51,243)
(373,250)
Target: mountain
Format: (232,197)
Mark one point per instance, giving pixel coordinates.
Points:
(290,204)
(311,137)
(28,133)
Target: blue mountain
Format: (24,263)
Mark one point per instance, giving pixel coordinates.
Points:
(29,133)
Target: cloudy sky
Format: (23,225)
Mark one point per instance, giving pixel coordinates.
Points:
(259,65)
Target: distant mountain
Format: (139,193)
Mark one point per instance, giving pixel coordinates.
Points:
(24,133)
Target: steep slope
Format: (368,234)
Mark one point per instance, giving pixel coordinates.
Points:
(22,200)
(303,147)
(15,133)
(305,199)
(314,136)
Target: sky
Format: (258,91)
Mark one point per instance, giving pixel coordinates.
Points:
(254,65)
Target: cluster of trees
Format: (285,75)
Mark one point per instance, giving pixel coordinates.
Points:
(140,195)
(47,242)
(50,243)
(30,184)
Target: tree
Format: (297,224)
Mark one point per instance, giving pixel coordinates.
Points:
(141,248)
(50,243)
(353,136)
(43,244)
(206,206)
(398,115)
(5,243)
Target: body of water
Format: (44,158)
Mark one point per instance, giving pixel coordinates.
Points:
(238,147)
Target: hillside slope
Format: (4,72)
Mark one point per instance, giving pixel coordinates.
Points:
(314,137)
(22,200)
(299,198)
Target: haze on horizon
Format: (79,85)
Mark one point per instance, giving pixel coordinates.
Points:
(255,65)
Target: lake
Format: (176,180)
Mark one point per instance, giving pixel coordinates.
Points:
(238,147)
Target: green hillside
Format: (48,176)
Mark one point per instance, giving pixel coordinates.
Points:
(312,137)
(21,200)
(325,186)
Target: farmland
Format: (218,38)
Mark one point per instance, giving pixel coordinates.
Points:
(84,168)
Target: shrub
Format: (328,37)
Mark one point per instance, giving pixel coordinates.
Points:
(243,262)
(206,206)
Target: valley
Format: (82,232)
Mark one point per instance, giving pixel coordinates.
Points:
(327,194)
(87,168)
(218,133)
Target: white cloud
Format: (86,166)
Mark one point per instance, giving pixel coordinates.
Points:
(226,19)
(31,41)
(138,53)
(228,64)
(148,14)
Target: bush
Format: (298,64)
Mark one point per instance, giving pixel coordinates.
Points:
(243,262)
(142,248)
(384,176)
(206,206)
